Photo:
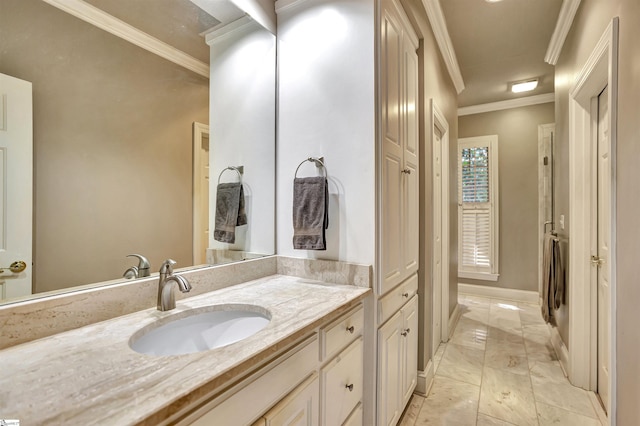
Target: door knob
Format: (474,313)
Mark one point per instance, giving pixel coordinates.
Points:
(16,267)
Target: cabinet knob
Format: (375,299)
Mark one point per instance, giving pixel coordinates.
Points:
(406,171)
(350,387)
(406,331)
(405,294)
(351,329)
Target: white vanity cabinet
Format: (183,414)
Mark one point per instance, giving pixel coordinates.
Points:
(397,362)
(317,382)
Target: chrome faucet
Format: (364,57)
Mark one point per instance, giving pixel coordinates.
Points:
(166,296)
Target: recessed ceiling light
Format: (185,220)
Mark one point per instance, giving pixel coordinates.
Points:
(524,86)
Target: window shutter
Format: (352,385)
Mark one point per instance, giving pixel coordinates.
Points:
(477,215)
(476,238)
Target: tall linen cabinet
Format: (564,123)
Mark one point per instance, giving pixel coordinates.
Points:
(348,91)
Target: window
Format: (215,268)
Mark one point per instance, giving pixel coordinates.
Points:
(478,208)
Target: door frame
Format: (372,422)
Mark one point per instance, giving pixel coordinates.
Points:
(600,70)
(200,131)
(439,122)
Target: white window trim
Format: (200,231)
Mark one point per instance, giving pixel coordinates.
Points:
(492,142)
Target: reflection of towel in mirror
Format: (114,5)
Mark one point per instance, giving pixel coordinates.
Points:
(229,211)
(310,213)
(552,277)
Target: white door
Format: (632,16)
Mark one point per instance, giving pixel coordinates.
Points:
(16,182)
(200,193)
(604,244)
(437,240)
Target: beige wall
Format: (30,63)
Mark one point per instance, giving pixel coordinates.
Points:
(591,21)
(112,145)
(517,131)
(435,84)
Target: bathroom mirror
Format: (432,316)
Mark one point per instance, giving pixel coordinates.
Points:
(122,147)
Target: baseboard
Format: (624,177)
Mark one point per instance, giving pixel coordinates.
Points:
(500,293)
(453,320)
(561,349)
(425,379)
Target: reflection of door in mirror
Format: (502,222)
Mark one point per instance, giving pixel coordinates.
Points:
(16,174)
(200,192)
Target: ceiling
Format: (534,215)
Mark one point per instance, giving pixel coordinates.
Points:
(498,43)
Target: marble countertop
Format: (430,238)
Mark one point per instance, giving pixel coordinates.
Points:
(91,376)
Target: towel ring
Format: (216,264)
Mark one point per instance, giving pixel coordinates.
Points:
(319,162)
(238,169)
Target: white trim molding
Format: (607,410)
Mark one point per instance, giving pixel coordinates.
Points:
(115,26)
(439,122)
(516,295)
(441,33)
(425,379)
(561,349)
(484,276)
(511,103)
(599,71)
(453,320)
(563,25)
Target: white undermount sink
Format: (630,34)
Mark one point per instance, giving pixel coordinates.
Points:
(200,330)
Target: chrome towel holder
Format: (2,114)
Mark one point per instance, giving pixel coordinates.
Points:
(238,169)
(318,161)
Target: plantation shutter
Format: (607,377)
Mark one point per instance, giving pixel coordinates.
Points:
(476,215)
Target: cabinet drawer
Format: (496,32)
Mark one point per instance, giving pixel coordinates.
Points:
(341,385)
(355,419)
(389,304)
(340,333)
(299,408)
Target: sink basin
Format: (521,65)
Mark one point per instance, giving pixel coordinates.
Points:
(200,330)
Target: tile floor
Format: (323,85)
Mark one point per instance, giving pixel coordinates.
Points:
(499,368)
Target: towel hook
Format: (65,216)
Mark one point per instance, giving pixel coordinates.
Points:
(319,162)
(238,169)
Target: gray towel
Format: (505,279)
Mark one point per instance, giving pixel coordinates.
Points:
(552,277)
(310,213)
(229,211)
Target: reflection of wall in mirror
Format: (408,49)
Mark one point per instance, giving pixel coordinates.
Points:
(112,145)
(242,128)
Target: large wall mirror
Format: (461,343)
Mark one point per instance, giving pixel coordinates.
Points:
(129,143)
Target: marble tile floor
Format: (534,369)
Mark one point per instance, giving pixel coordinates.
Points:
(499,368)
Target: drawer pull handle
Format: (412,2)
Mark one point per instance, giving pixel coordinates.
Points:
(350,387)
(406,331)
(405,294)
(351,329)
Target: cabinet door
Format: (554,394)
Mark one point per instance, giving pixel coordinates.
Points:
(299,408)
(392,148)
(390,371)
(409,335)
(341,386)
(411,209)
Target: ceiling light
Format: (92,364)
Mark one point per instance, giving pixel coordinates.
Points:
(524,86)
(492,1)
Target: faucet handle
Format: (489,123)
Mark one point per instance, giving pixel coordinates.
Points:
(167,266)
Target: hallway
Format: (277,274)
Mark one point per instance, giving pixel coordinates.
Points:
(499,368)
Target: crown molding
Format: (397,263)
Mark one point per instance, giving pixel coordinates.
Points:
(223,31)
(563,25)
(115,26)
(282,5)
(511,103)
(439,27)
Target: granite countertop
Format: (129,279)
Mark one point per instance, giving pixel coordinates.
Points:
(91,376)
